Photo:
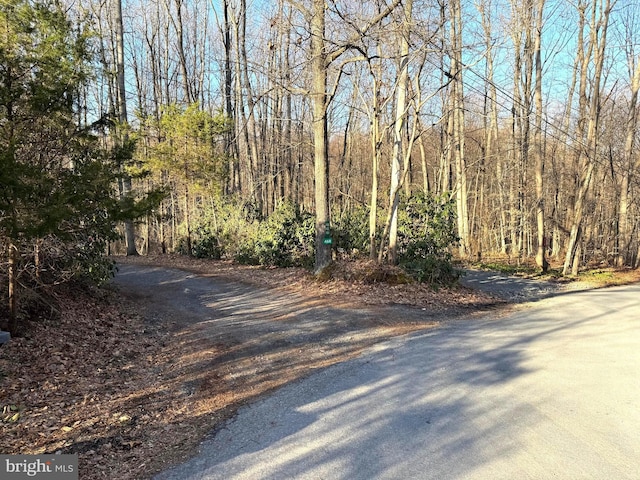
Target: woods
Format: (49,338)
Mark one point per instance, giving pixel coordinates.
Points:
(378,146)
(195,122)
(345,105)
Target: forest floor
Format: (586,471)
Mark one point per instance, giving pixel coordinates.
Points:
(133,393)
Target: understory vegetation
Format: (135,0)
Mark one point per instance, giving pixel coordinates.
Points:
(286,237)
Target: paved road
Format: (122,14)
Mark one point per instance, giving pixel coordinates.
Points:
(510,288)
(551,392)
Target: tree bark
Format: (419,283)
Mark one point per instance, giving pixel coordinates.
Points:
(458,133)
(129,228)
(541,259)
(13,288)
(624,229)
(376,141)
(398,133)
(320,154)
(597,45)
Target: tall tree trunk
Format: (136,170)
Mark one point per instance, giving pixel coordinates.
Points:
(597,45)
(518,113)
(541,260)
(490,120)
(246,119)
(321,60)
(376,140)
(12,273)
(458,138)
(176,20)
(624,229)
(398,152)
(230,140)
(288,189)
(320,155)
(129,229)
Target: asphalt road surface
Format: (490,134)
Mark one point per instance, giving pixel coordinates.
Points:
(510,288)
(549,392)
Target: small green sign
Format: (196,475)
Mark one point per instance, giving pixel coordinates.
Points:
(327,240)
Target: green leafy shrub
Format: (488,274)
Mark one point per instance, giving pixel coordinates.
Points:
(245,253)
(351,232)
(90,262)
(206,244)
(432,270)
(284,239)
(223,229)
(427,228)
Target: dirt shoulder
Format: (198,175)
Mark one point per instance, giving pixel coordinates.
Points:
(133,383)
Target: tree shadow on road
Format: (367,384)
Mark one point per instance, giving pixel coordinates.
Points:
(436,405)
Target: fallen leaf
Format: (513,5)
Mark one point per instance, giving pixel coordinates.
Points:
(13,418)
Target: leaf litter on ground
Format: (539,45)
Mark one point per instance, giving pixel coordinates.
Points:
(132,395)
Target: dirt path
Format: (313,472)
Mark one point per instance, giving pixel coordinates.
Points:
(261,321)
(271,332)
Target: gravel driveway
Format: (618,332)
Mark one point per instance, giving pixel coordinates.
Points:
(510,288)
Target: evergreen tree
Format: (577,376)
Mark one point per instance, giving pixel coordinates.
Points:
(56,186)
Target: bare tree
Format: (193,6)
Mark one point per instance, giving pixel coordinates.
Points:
(490,120)
(537,25)
(399,148)
(624,237)
(322,57)
(457,127)
(123,120)
(588,151)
